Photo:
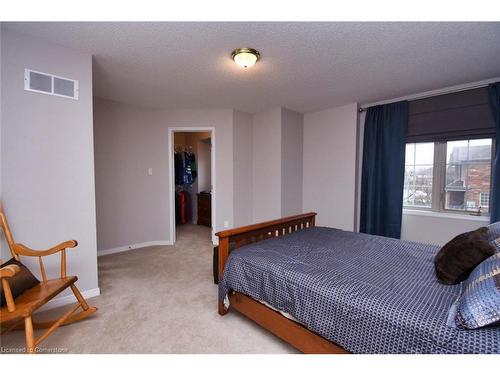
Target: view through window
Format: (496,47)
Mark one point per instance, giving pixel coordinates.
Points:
(419,166)
(460,173)
(468,173)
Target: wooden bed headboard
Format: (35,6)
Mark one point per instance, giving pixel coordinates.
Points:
(234,238)
(289,330)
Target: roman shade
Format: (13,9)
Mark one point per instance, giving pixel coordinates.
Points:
(460,115)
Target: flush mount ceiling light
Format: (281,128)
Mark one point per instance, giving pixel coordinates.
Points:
(245,57)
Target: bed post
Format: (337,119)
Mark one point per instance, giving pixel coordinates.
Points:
(223,254)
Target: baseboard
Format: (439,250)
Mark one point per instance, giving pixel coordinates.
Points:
(70,298)
(133,246)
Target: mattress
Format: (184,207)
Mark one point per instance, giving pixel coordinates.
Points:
(368,294)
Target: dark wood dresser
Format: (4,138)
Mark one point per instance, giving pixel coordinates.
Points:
(205,209)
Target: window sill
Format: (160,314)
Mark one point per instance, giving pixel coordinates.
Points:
(446,215)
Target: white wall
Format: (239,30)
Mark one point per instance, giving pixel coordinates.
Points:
(359,166)
(243,168)
(267,165)
(330,165)
(204,151)
(127,142)
(132,206)
(277,163)
(47,159)
(437,229)
(291,162)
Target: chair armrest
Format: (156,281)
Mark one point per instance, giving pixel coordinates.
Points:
(21,249)
(9,271)
(5,273)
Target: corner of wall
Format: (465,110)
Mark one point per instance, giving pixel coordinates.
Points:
(292,141)
(242,168)
(329,168)
(266,154)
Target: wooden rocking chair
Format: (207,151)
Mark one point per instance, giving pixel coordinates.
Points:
(21,309)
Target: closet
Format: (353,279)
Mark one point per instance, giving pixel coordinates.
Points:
(192,173)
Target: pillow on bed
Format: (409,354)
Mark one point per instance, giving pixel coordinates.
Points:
(496,243)
(456,260)
(494,231)
(479,303)
(494,234)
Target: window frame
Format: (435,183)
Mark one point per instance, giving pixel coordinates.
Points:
(439,181)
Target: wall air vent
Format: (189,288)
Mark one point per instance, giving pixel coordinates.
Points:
(50,84)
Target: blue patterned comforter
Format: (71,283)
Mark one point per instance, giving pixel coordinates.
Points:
(366,293)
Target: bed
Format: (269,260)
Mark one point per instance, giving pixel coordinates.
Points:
(326,290)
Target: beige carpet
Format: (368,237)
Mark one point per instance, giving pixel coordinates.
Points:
(159,300)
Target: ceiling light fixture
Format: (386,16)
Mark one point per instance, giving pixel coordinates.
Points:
(245,57)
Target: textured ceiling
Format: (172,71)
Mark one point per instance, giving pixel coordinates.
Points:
(304,66)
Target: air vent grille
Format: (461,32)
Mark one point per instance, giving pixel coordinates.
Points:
(50,84)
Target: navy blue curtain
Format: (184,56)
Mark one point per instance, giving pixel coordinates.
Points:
(383,169)
(494,93)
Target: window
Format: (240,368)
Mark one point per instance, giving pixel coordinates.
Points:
(468,173)
(485,199)
(419,165)
(448,176)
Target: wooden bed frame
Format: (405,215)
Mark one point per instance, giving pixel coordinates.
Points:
(292,332)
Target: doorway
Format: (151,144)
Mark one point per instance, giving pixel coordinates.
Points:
(192,182)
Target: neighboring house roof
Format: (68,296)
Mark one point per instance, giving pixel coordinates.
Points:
(476,153)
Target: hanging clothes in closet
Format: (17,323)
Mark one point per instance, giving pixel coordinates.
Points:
(185,168)
(185,174)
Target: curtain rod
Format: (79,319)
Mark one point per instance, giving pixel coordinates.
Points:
(430,94)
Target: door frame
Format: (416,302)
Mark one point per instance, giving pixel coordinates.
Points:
(171,180)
